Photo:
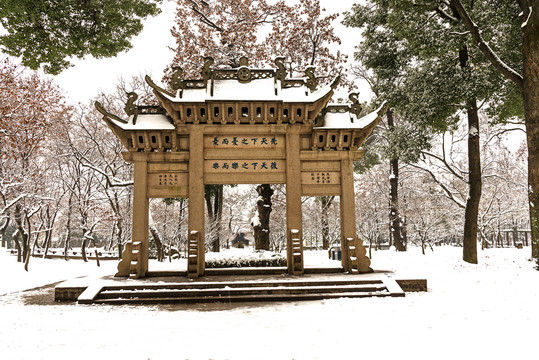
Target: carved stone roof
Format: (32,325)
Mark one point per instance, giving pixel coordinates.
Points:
(243,84)
(255,90)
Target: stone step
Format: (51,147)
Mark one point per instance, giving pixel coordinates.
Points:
(244,298)
(268,290)
(245,283)
(244,291)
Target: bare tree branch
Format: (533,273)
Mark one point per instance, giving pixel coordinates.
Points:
(449,194)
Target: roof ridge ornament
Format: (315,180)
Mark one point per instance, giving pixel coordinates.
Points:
(244,73)
(206,70)
(356,107)
(175,80)
(383,108)
(311,82)
(105,113)
(130,107)
(157,88)
(280,74)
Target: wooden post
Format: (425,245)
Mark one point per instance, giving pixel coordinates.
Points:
(196,191)
(348,219)
(141,209)
(293,196)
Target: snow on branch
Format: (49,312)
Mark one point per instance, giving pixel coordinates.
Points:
(444,14)
(203,17)
(11,203)
(502,67)
(113,182)
(528,18)
(450,195)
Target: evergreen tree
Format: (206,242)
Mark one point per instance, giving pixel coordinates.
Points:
(434,74)
(508,40)
(48,32)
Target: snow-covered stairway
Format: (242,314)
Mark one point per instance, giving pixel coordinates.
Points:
(239,291)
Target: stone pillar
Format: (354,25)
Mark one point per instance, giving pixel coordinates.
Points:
(196,191)
(293,197)
(348,219)
(141,209)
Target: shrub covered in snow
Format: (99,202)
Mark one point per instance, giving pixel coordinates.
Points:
(245,259)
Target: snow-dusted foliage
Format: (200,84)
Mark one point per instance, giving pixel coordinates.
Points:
(257,258)
(434,191)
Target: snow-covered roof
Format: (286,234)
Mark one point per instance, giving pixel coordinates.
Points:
(146,122)
(254,90)
(348,120)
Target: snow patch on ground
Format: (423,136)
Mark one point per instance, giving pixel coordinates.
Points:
(470,311)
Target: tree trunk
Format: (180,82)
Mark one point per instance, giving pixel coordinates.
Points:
(326,202)
(474,182)
(21,234)
(48,235)
(215,210)
(530,93)
(180,217)
(110,244)
(68,227)
(529,88)
(83,247)
(396,223)
(158,244)
(3,229)
(97,256)
(218,205)
(262,231)
(18,247)
(119,236)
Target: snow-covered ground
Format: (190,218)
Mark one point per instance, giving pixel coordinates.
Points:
(485,311)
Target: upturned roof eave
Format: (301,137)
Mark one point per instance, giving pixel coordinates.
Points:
(360,124)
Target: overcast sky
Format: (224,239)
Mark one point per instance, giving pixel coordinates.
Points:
(150,55)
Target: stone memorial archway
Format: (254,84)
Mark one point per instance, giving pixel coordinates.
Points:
(242,126)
